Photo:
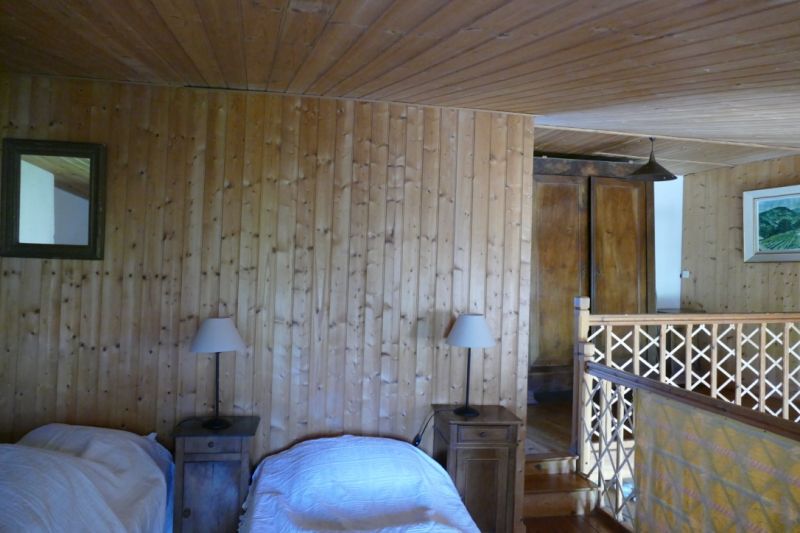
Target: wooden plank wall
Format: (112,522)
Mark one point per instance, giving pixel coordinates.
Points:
(721,282)
(344,236)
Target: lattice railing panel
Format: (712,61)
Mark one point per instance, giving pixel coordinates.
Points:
(726,359)
(608,458)
(755,364)
(748,360)
(792,373)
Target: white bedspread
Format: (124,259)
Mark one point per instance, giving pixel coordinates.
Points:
(353,484)
(74,478)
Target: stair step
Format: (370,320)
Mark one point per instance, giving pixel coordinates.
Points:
(558,495)
(557,483)
(545,466)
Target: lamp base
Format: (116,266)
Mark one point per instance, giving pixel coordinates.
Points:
(217,423)
(466,410)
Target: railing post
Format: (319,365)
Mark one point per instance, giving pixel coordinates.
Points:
(582,416)
(762,368)
(786,367)
(687,375)
(581,336)
(714,357)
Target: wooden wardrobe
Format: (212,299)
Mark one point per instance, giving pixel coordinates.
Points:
(593,235)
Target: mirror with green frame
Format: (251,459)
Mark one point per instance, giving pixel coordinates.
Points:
(52,199)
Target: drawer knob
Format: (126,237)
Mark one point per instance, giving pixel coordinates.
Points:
(482,434)
(187,513)
(211,444)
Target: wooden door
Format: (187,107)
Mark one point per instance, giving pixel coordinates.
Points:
(211,496)
(560,260)
(621,252)
(482,476)
(592,235)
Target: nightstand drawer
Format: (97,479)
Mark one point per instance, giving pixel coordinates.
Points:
(484,433)
(213,445)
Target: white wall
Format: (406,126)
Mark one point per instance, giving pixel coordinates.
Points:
(36,205)
(668,206)
(72,218)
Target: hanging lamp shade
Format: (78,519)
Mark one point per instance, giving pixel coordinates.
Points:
(652,171)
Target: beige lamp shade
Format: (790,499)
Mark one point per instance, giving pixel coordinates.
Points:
(470,331)
(217,335)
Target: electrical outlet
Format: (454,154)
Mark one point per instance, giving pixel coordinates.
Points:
(685,274)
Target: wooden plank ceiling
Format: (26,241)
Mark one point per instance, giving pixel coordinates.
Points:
(681,156)
(71,173)
(724,70)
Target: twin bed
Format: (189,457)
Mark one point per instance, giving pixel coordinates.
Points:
(77,478)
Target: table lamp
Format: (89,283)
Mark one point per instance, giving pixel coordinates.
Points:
(470,331)
(217,335)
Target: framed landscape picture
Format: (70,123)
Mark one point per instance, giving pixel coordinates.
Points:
(772,224)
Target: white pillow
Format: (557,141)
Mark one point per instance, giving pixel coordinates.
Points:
(96,444)
(103,445)
(348,471)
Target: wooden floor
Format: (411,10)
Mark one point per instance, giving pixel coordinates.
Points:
(570,524)
(548,429)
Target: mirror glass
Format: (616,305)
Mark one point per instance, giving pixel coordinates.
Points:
(54,199)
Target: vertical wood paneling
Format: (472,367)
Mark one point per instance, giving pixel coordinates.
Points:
(357,266)
(376,242)
(340,252)
(426,335)
(720,281)
(443,316)
(191,253)
(232,199)
(214,180)
(343,236)
(392,253)
(462,235)
(263,348)
(302,281)
(494,258)
(153,252)
(321,290)
(406,419)
(284,257)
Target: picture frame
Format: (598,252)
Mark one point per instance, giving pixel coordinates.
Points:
(52,199)
(771,224)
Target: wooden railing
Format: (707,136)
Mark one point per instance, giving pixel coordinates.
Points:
(751,362)
(608,453)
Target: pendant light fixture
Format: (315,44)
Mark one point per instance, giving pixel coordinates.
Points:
(652,171)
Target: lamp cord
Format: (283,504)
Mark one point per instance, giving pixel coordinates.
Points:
(418,437)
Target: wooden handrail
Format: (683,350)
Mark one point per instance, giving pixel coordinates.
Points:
(742,414)
(693,318)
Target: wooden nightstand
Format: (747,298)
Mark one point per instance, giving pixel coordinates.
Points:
(212,473)
(480,455)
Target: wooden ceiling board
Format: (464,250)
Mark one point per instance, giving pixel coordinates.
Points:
(431,34)
(71,173)
(680,156)
(225,29)
(546,46)
(397,21)
(348,23)
(302,25)
(183,20)
(59,53)
(668,57)
(261,28)
(528,52)
(497,34)
(725,70)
